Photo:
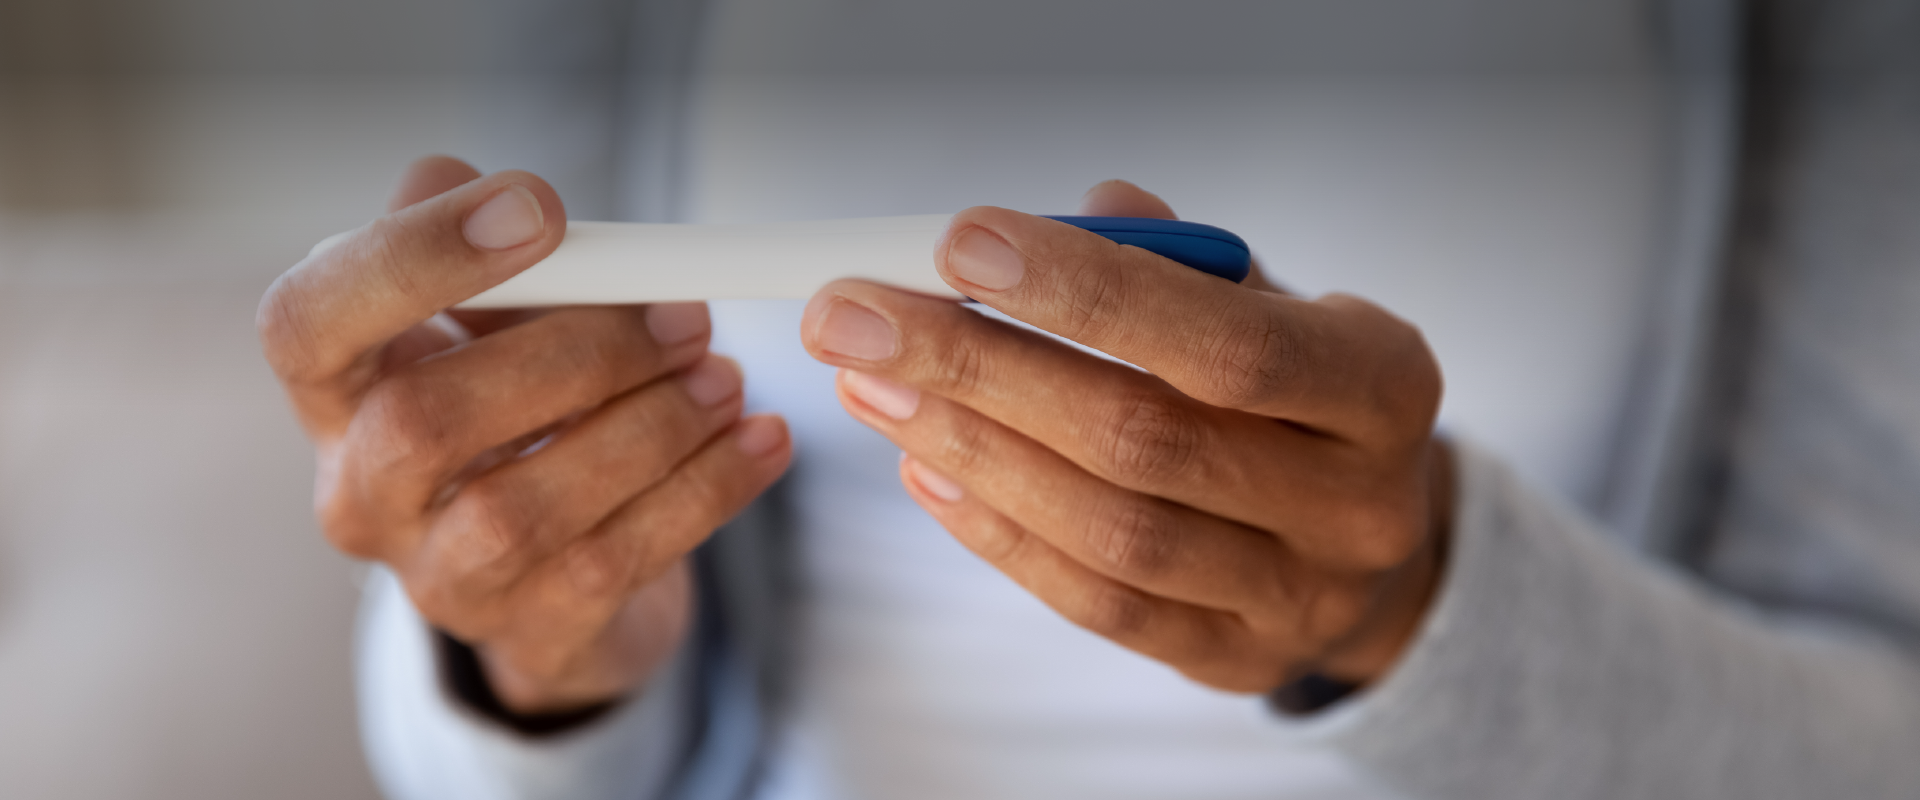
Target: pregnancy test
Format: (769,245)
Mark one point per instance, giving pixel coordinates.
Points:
(625,262)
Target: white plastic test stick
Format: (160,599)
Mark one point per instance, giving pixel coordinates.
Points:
(622,262)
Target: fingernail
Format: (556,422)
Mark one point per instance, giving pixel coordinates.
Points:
(760,435)
(712,380)
(510,219)
(980,257)
(852,330)
(673,323)
(935,483)
(889,398)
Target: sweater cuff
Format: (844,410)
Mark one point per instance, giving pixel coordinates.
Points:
(424,741)
(1555,663)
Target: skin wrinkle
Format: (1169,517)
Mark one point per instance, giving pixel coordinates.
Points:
(400,435)
(560,645)
(424,448)
(1347,510)
(1118,612)
(1089,288)
(959,364)
(1132,541)
(1102,587)
(1154,445)
(390,247)
(1102,507)
(591,371)
(495,522)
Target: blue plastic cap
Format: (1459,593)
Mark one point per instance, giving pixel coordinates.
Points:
(1203,247)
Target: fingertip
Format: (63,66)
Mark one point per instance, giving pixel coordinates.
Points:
(714,380)
(512,217)
(677,323)
(816,311)
(761,435)
(836,325)
(550,203)
(430,176)
(930,481)
(981,258)
(1118,198)
(894,400)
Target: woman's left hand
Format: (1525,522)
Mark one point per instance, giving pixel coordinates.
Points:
(1264,500)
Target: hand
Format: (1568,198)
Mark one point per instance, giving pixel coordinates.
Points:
(1265,499)
(535,479)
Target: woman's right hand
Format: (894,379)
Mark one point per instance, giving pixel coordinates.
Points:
(535,478)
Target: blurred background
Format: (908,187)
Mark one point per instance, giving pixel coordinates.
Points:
(171,623)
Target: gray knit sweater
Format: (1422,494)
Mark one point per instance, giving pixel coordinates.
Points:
(1758,645)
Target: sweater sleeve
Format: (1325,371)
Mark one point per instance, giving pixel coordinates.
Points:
(1556,664)
(424,743)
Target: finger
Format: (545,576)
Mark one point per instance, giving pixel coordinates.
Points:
(324,321)
(1117,198)
(482,321)
(653,531)
(1317,363)
(505,522)
(438,333)
(1119,424)
(1146,542)
(1199,641)
(448,329)
(427,177)
(423,424)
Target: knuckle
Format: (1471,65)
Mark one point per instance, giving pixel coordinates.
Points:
(496,521)
(1402,370)
(1324,612)
(288,336)
(1116,614)
(1252,360)
(1089,297)
(405,425)
(346,522)
(388,251)
(996,542)
(340,523)
(1414,402)
(961,363)
(1381,533)
(1134,542)
(965,449)
(599,567)
(1151,442)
